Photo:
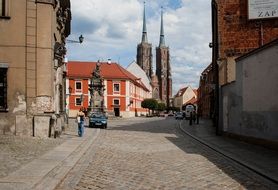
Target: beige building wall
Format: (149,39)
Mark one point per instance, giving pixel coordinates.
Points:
(222,72)
(27,49)
(231,69)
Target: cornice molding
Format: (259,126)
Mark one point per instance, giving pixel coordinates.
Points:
(50,2)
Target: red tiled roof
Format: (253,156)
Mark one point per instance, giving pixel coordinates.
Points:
(193,100)
(181,92)
(196,91)
(78,69)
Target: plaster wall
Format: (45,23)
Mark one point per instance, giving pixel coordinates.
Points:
(260,86)
(248,106)
(26,47)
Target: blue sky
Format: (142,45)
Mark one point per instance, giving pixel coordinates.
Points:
(113,28)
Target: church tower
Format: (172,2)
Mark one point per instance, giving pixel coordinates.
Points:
(163,68)
(144,50)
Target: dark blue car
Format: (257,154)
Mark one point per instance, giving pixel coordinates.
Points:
(98,120)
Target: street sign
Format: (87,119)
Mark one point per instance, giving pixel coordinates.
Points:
(262,9)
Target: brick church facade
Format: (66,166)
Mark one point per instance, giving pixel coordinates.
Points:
(162,79)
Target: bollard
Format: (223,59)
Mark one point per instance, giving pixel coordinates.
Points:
(190,119)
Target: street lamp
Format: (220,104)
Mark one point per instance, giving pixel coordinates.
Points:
(80,40)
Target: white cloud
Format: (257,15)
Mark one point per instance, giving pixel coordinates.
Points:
(113,28)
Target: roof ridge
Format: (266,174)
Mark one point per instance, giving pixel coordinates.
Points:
(121,69)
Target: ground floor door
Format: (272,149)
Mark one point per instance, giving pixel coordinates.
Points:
(117,112)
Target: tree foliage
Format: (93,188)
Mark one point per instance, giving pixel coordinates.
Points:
(161,106)
(150,104)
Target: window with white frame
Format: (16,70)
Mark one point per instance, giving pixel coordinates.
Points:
(78,102)
(3,89)
(116,102)
(4,8)
(116,88)
(78,87)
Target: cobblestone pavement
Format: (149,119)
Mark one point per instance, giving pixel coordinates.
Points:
(18,151)
(154,154)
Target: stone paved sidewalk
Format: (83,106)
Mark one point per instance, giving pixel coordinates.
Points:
(41,163)
(18,151)
(258,158)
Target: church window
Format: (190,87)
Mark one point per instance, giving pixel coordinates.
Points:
(3,89)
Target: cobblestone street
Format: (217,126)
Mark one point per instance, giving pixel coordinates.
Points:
(154,154)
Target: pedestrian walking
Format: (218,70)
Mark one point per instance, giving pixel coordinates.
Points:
(80,121)
(194,116)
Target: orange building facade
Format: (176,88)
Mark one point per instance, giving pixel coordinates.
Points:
(123,92)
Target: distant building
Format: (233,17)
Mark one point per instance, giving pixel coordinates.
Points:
(249,106)
(162,79)
(123,93)
(206,93)
(163,68)
(32,81)
(137,71)
(185,96)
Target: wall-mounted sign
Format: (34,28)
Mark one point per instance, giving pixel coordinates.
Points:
(262,9)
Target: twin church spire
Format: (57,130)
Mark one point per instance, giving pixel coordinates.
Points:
(161,80)
(162,39)
(144,33)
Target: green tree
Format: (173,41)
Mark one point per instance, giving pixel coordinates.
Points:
(150,104)
(161,106)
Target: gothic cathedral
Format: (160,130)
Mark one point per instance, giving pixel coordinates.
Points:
(162,80)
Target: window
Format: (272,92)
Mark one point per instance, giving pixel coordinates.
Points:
(78,87)
(3,89)
(78,102)
(4,8)
(116,102)
(116,88)
(61,98)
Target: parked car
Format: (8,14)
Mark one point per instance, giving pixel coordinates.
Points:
(98,119)
(161,115)
(178,115)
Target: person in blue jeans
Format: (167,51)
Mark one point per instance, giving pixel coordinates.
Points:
(80,121)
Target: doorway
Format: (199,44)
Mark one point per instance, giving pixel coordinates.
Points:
(117,112)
